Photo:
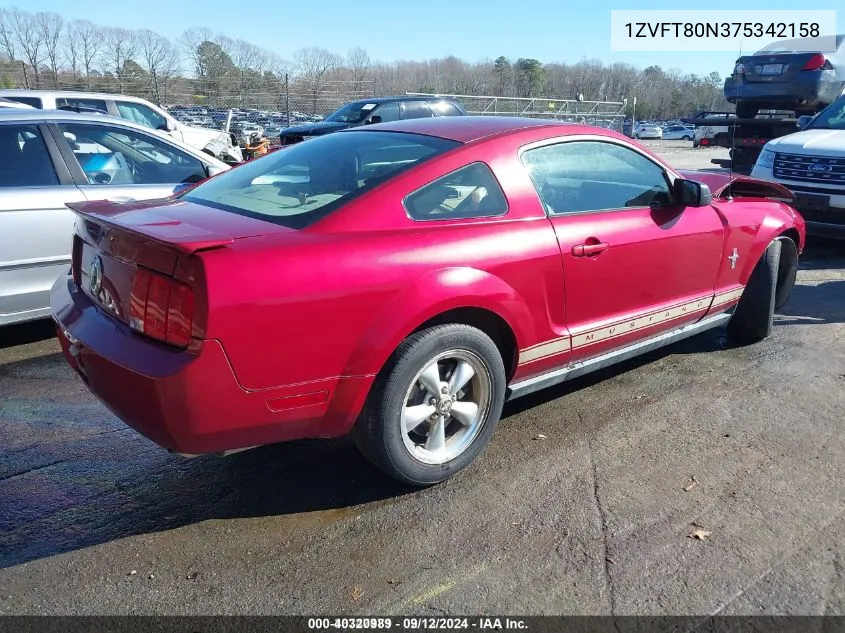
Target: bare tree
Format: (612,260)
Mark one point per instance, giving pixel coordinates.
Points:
(7,34)
(50,29)
(210,56)
(313,65)
(85,44)
(29,40)
(119,46)
(358,61)
(191,40)
(159,58)
(248,60)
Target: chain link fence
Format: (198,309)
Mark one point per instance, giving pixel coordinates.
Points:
(267,103)
(601,113)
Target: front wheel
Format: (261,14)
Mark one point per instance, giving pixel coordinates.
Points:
(753,317)
(435,405)
(686,138)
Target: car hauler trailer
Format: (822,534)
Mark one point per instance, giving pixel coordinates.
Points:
(744,137)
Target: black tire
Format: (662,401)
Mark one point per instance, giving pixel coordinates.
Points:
(787,271)
(747,110)
(754,314)
(379,432)
(686,138)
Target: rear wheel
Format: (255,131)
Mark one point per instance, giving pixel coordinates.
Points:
(754,314)
(435,406)
(686,137)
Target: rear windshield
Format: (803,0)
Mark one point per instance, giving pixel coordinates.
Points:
(802,45)
(301,184)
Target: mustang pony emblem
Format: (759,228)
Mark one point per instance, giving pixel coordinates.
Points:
(734,256)
(96,281)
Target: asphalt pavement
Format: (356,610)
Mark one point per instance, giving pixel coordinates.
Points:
(700,479)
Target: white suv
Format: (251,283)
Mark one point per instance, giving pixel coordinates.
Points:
(811,163)
(216,143)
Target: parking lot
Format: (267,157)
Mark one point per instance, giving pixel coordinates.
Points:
(584,503)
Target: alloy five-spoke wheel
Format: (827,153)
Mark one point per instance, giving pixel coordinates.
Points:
(445,406)
(434,406)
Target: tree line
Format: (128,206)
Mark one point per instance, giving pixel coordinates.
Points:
(43,50)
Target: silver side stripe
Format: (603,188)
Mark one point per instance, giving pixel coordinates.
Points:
(647,320)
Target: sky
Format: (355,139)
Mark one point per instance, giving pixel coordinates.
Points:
(548,30)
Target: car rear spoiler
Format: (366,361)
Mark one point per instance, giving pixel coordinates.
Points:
(141,220)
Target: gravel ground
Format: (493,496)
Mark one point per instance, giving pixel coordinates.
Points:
(593,518)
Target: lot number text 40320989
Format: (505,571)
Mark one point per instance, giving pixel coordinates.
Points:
(416,623)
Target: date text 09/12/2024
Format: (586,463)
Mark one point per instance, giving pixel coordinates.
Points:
(417,623)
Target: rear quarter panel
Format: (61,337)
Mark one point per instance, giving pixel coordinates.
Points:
(338,298)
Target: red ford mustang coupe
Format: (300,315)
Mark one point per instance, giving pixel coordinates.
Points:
(401,281)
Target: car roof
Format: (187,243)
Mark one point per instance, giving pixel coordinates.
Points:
(462,129)
(7,114)
(401,98)
(64,93)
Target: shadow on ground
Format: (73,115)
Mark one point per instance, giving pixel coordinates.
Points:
(25,333)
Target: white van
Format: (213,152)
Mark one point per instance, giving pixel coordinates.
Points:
(214,142)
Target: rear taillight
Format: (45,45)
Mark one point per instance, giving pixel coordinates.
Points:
(76,260)
(161,307)
(816,62)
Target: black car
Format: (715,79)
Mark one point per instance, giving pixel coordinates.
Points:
(786,75)
(375,110)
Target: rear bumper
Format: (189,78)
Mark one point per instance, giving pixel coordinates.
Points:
(790,93)
(190,401)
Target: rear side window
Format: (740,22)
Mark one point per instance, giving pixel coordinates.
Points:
(416,110)
(76,102)
(468,192)
(24,159)
(35,102)
(444,108)
(296,187)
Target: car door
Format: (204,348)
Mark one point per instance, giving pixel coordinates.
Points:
(113,162)
(634,261)
(36,227)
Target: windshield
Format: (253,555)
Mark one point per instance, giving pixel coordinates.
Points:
(297,186)
(352,113)
(831,118)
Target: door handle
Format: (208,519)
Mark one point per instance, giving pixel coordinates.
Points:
(585,250)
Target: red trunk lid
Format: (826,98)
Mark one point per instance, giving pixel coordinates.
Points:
(113,242)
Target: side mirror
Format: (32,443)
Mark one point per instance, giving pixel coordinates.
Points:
(168,126)
(691,193)
(374,119)
(803,121)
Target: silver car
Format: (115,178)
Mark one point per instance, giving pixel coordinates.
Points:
(51,158)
